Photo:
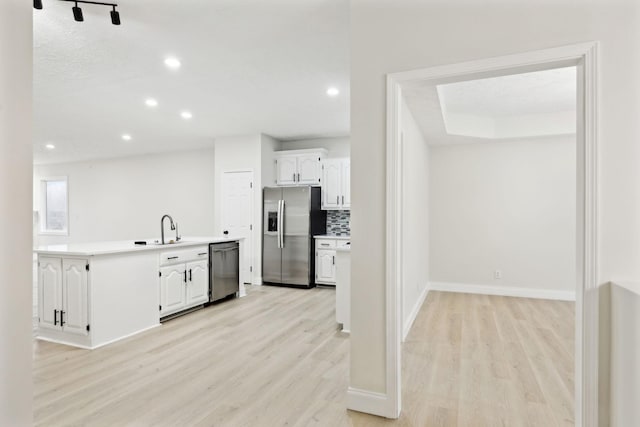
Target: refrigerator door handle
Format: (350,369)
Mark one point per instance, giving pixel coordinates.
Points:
(281,228)
(278,222)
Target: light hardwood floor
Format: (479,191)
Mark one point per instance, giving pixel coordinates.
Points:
(276,358)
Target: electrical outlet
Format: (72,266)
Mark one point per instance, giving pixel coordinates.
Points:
(497,274)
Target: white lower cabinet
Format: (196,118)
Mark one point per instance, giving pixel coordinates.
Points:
(197,282)
(184,284)
(173,284)
(326,259)
(63,285)
(326,266)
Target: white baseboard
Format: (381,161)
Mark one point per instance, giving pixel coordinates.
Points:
(408,322)
(507,291)
(369,402)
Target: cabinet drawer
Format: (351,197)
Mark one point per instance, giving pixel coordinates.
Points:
(343,244)
(325,244)
(184,255)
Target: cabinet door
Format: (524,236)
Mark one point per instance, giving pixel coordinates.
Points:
(198,283)
(172,288)
(345,198)
(309,169)
(325,266)
(49,292)
(74,296)
(331,190)
(286,170)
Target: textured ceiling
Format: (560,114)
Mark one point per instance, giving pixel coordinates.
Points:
(535,104)
(247,67)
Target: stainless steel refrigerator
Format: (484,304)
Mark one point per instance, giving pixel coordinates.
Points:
(291,217)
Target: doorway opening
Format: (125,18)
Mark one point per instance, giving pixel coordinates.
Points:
(582,59)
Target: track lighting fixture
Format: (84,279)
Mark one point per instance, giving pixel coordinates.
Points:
(77,11)
(115,16)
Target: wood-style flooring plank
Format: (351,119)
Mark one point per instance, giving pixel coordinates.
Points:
(277,358)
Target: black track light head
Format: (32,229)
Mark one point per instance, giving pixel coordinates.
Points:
(115,17)
(77,13)
(37,4)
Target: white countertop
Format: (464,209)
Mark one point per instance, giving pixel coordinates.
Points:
(124,246)
(329,236)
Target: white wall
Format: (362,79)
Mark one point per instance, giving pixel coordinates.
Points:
(124,199)
(415,211)
(397,35)
(336,147)
(234,153)
(625,354)
(15,212)
(508,206)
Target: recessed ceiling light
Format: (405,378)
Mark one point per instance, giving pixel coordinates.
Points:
(50,146)
(126,137)
(151,102)
(333,91)
(172,62)
(186,115)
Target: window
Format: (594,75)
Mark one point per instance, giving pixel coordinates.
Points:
(54,206)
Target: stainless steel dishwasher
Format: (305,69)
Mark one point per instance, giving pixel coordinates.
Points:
(224,270)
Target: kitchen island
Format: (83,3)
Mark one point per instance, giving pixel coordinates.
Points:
(92,294)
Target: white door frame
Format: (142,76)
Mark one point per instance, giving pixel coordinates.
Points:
(584,56)
(243,246)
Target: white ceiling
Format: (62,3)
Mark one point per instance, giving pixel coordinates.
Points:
(536,104)
(248,66)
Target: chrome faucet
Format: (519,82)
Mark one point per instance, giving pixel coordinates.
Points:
(173,227)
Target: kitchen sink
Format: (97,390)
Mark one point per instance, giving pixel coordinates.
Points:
(169,243)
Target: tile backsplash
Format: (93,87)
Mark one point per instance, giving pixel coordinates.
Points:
(338,223)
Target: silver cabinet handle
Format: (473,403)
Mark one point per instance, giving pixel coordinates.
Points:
(294,177)
(334,260)
(203,253)
(337,200)
(343,200)
(298,176)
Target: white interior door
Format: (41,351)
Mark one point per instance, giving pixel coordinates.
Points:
(237,215)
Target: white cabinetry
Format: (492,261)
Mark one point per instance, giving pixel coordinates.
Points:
(63,295)
(198,282)
(343,289)
(184,279)
(299,167)
(326,266)
(336,184)
(326,259)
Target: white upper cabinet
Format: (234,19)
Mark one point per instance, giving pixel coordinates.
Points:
(331,183)
(286,170)
(299,167)
(336,184)
(346,184)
